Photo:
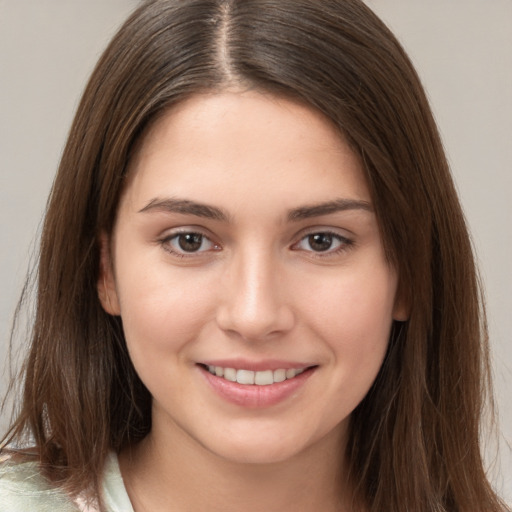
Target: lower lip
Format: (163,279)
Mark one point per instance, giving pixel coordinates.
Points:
(255,396)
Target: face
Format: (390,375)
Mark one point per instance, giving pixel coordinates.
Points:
(248,270)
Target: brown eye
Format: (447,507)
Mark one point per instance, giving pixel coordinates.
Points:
(325,242)
(320,242)
(190,242)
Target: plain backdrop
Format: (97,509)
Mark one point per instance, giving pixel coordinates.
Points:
(461,48)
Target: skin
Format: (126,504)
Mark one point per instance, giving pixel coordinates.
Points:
(257,288)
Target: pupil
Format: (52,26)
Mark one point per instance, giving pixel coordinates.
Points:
(320,242)
(190,242)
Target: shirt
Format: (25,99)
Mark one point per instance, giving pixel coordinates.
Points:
(23,489)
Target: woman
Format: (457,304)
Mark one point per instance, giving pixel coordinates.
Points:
(256,287)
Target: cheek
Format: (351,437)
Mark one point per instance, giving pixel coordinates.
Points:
(358,337)
(162,309)
(354,314)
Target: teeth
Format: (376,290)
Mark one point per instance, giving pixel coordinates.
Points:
(264,378)
(230,374)
(279,375)
(261,378)
(244,377)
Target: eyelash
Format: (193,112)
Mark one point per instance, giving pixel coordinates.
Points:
(168,240)
(344,244)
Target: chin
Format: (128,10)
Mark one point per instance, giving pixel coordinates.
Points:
(257,453)
(273,448)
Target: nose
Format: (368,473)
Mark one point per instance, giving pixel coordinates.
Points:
(253,303)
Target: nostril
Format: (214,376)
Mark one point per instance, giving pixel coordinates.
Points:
(255,322)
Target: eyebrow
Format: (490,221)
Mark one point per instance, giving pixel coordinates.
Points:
(338,205)
(187,207)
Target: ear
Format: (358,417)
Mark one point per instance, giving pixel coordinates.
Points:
(401,308)
(400,313)
(106,285)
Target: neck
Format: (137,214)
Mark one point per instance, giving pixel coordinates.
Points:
(185,476)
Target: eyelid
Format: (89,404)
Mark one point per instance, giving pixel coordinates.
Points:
(345,241)
(335,231)
(165,241)
(185,229)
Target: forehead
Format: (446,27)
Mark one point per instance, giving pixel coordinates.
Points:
(244,141)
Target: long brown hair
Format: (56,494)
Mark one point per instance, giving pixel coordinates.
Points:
(414,440)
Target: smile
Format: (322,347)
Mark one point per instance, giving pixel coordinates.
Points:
(265,385)
(256,378)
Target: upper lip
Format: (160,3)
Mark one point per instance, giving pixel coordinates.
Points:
(256,366)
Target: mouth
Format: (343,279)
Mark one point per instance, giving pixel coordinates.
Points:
(255,378)
(263,385)
(259,387)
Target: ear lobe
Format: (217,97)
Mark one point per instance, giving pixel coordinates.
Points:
(106,285)
(400,312)
(401,308)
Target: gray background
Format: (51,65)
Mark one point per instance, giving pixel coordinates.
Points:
(461,48)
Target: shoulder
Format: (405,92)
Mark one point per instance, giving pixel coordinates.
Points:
(23,488)
(114,492)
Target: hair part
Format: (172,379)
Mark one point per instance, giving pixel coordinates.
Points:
(414,440)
